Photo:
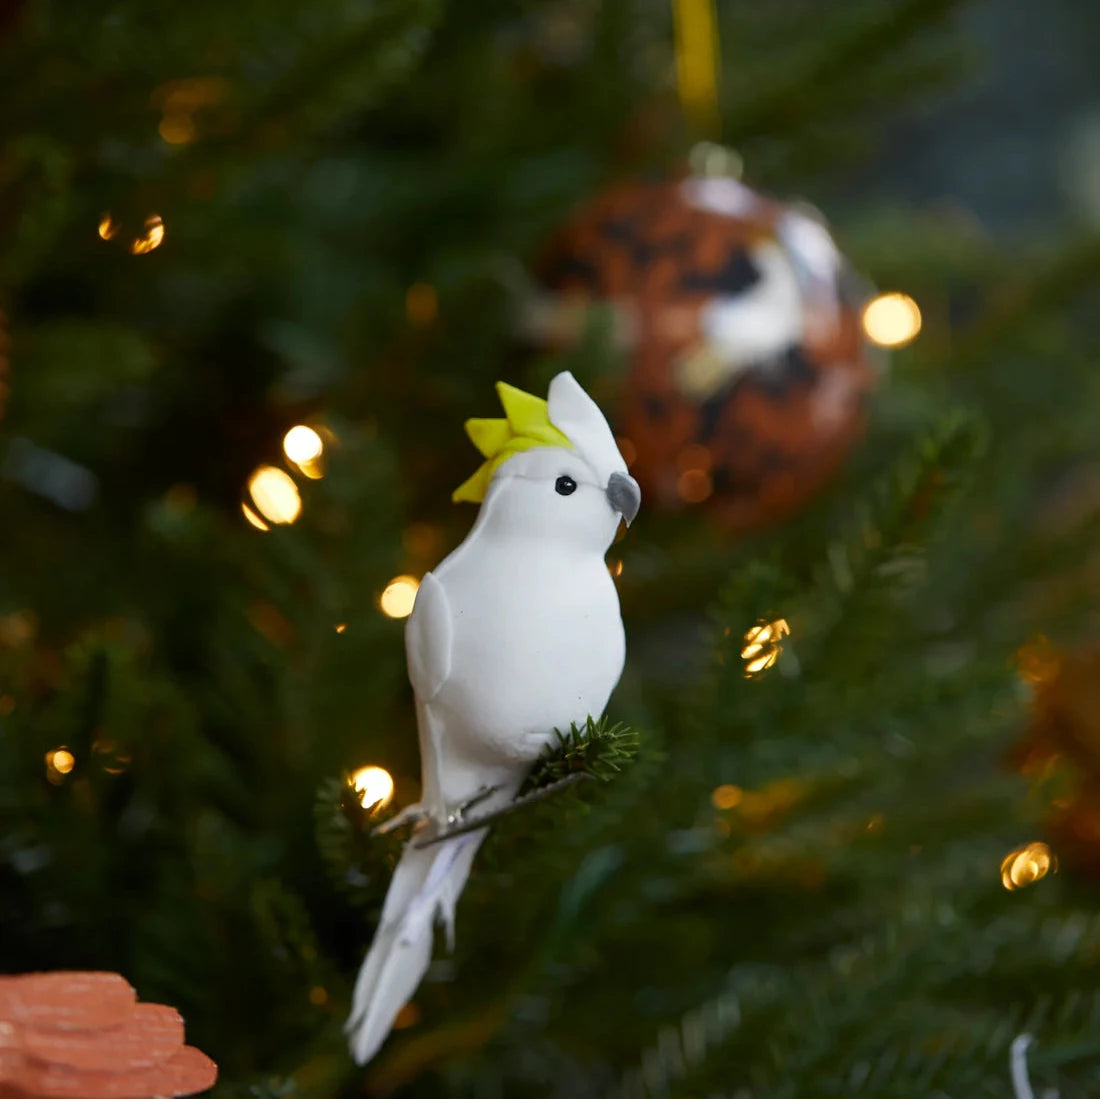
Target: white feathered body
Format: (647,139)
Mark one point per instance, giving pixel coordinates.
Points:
(538,643)
(515,634)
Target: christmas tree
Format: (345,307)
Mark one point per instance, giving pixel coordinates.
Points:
(259,264)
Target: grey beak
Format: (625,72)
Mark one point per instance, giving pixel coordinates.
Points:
(625,496)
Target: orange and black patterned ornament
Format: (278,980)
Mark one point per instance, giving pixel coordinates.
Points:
(748,371)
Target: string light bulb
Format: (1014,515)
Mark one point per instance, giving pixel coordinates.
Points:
(177,128)
(302,444)
(763,645)
(374,785)
(727,796)
(183,101)
(1026,865)
(108,227)
(421,304)
(275,495)
(253,518)
(396,600)
(59,763)
(303,447)
(891,320)
(151,238)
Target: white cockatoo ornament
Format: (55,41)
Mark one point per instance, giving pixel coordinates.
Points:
(515,634)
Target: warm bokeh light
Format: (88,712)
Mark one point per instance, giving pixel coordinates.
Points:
(762,646)
(1026,865)
(398,598)
(318,995)
(302,444)
(694,486)
(694,456)
(727,796)
(190,94)
(421,303)
(891,320)
(340,627)
(615,568)
(18,628)
(113,757)
(1037,661)
(108,227)
(151,238)
(62,760)
(374,785)
(422,541)
(177,128)
(275,495)
(59,763)
(253,518)
(408,1016)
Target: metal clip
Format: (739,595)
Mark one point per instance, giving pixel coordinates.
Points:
(461,827)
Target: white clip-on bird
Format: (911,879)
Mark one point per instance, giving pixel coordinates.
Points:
(515,634)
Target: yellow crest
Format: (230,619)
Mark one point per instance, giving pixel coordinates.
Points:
(526,425)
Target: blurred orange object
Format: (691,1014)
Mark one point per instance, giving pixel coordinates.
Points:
(739,319)
(1060,749)
(85,1036)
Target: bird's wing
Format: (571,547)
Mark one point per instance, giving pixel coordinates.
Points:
(428,639)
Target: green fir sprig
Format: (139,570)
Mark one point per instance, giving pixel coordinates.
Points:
(600,750)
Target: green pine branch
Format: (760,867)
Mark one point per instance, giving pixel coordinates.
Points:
(353,856)
(839,66)
(884,547)
(343,828)
(600,750)
(815,1018)
(680,1048)
(846,615)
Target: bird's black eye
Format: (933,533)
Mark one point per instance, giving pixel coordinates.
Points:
(565,485)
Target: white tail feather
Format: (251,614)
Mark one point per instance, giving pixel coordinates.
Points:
(426,885)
